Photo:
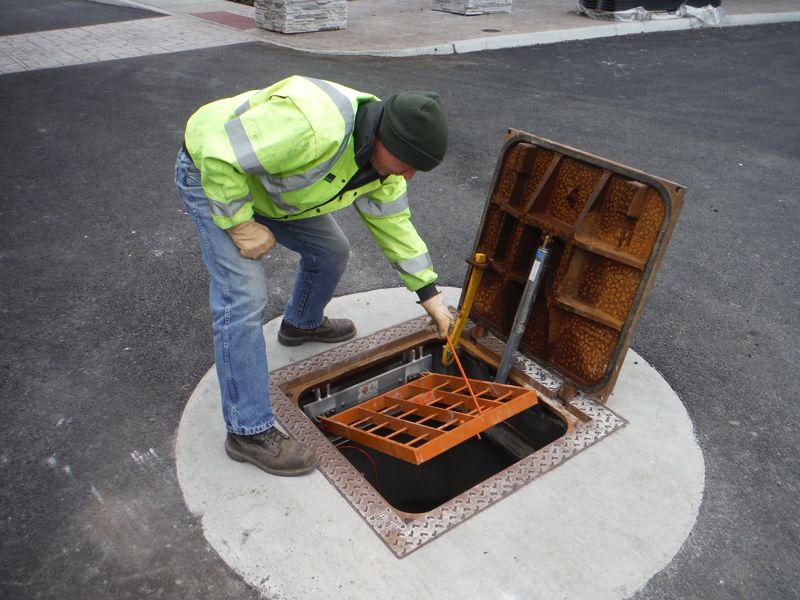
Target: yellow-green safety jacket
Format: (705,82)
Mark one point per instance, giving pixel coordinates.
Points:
(286,152)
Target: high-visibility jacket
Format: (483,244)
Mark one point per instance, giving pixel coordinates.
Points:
(286,152)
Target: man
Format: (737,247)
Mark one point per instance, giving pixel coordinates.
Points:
(270,166)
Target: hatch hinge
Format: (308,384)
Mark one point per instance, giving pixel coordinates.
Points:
(566,392)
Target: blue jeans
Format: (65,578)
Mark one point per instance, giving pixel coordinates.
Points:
(238,297)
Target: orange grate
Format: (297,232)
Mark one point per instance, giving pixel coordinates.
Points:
(422,419)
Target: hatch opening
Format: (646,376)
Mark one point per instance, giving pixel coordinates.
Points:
(415,489)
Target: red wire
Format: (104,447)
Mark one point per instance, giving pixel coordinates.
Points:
(460,368)
(464,375)
(370,460)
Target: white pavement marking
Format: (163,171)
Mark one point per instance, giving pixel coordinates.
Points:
(597,527)
(81,45)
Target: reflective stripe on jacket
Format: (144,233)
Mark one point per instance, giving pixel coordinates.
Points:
(286,152)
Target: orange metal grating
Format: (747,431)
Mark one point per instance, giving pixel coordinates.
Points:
(422,419)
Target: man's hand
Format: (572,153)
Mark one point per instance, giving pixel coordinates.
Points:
(252,239)
(442,320)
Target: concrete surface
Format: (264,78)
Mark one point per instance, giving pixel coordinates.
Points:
(410,27)
(103,309)
(595,528)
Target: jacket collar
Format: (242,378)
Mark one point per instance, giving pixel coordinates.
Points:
(365,133)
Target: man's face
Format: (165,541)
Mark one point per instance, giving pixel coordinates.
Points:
(385,163)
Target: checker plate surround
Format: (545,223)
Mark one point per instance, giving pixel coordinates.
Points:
(402,535)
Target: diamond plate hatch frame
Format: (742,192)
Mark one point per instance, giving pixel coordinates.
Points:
(403,533)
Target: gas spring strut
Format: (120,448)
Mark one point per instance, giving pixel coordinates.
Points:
(523,310)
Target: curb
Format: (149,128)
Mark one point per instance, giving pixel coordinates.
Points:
(569,35)
(518,40)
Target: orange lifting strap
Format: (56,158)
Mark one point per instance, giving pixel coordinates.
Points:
(424,418)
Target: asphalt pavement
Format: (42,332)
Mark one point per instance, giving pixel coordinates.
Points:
(106,330)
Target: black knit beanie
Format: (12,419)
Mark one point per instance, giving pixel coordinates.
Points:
(414,129)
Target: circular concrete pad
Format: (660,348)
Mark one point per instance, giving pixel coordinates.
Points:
(599,526)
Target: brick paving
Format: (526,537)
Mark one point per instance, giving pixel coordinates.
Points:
(225,18)
(81,45)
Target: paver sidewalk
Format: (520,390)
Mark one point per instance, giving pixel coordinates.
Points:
(60,48)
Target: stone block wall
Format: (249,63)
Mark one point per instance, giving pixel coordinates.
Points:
(472,7)
(301,16)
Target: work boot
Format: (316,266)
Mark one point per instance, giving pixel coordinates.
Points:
(331,331)
(273,451)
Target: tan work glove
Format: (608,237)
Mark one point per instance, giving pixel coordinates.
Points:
(441,319)
(252,239)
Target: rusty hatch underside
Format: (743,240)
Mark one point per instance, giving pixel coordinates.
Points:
(608,225)
(589,422)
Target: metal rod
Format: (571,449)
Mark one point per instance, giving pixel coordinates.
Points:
(523,310)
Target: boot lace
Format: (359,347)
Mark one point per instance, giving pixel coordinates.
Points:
(273,435)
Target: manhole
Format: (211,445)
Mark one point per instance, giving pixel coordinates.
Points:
(605,228)
(228,19)
(407,505)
